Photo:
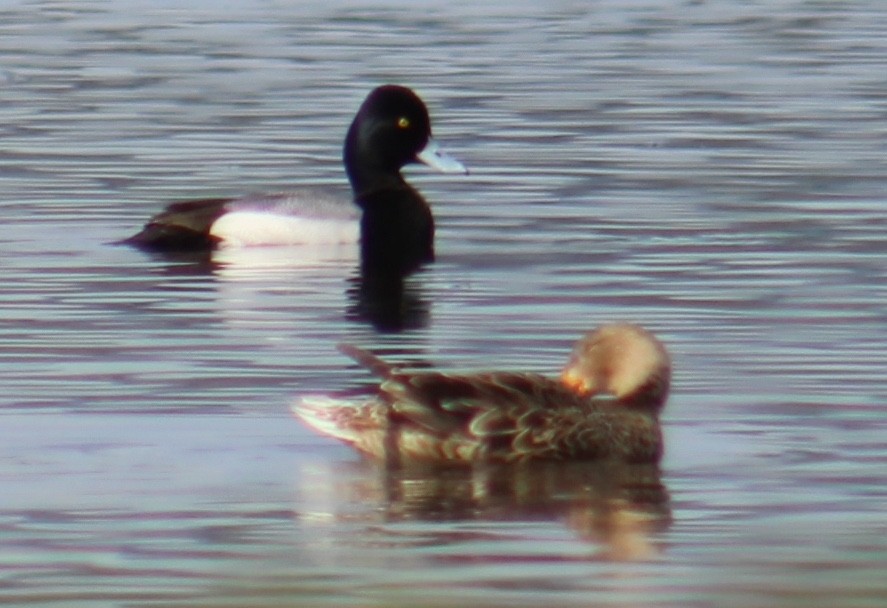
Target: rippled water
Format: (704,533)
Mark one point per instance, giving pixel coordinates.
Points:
(713,170)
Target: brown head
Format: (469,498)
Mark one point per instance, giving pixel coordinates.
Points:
(624,360)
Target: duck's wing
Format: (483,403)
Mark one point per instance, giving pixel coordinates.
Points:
(474,416)
(307,203)
(514,416)
(467,395)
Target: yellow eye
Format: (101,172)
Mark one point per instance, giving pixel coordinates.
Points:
(403,122)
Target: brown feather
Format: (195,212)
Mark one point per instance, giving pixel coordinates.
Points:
(606,407)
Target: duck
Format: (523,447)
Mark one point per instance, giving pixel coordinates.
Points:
(604,406)
(390,219)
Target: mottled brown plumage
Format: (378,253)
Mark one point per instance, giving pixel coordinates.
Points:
(605,406)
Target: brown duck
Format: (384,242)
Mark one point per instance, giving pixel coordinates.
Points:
(605,406)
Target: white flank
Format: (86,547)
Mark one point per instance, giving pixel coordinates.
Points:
(246,228)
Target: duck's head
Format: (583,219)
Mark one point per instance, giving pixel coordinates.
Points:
(392,129)
(624,360)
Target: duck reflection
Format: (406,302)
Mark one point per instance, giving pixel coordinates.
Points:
(389,302)
(622,508)
(185,263)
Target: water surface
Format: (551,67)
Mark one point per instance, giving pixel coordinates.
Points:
(712,170)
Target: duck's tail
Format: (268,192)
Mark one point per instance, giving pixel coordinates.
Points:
(328,416)
(368,360)
(361,424)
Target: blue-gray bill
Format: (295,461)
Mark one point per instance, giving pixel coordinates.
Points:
(433,156)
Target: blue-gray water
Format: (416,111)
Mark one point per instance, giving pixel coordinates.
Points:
(712,170)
